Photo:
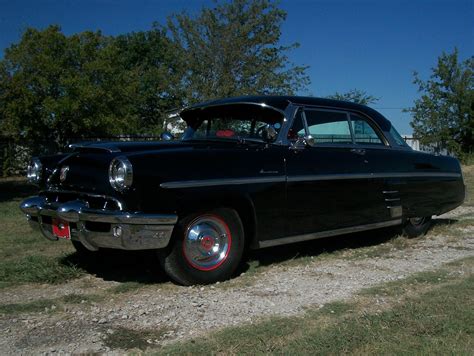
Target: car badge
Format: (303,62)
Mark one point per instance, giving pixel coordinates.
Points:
(63,173)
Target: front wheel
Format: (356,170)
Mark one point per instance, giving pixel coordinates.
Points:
(207,247)
(418,226)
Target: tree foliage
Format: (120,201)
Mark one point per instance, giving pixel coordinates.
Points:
(55,87)
(444,112)
(150,59)
(355,96)
(234,49)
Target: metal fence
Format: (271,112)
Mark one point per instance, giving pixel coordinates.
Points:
(415,143)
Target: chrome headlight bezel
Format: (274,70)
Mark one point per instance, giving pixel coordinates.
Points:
(120,174)
(34,172)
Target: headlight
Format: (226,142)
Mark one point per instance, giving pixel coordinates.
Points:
(120,173)
(34,171)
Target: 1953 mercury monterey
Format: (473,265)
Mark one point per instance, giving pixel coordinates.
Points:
(248,172)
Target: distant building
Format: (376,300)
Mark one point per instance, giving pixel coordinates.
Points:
(433,148)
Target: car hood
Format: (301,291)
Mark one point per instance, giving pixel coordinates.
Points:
(86,169)
(120,146)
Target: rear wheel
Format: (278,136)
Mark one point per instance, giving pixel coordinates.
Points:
(417,226)
(207,247)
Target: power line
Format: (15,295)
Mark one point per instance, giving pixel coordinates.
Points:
(390,108)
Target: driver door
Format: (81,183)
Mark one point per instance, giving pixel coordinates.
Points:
(326,188)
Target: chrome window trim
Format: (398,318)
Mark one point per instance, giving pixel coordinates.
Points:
(338,111)
(374,127)
(328,233)
(295,107)
(300,178)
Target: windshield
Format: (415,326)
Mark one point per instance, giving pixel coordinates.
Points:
(231,122)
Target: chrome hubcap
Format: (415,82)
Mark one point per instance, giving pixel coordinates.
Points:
(207,243)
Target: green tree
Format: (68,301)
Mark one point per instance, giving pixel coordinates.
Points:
(153,65)
(58,87)
(356,96)
(444,112)
(55,87)
(234,49)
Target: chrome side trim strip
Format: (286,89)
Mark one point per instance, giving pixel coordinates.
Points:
(319,235)
(304,178)
(217,182)
(300,178)
(93,145)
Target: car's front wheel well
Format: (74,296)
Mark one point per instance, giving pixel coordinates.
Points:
(242,205)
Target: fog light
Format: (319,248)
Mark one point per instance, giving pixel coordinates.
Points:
(117,231)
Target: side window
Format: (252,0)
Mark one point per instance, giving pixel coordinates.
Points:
(363,132)
(328,126)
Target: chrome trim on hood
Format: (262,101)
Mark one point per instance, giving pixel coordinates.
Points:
(95,146)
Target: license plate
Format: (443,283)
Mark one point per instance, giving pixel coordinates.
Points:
(61,229)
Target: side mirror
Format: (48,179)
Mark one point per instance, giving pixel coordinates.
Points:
(310,140)
(302,142)
(166,136)
(269,133)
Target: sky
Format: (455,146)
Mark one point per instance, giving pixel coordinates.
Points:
(371,45)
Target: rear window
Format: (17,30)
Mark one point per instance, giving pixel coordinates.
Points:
(364,133)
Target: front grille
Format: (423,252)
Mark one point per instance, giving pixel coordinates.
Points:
(94,201)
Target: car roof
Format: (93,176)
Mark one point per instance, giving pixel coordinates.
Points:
(281,102)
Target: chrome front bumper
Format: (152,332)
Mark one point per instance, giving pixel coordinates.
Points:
(96,228)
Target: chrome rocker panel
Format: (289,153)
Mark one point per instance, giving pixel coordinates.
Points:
(128,230)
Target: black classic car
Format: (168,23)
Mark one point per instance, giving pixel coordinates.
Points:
(249,172)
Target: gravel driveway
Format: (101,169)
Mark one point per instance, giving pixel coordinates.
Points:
(181,312)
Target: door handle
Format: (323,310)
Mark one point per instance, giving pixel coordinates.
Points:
(358,151)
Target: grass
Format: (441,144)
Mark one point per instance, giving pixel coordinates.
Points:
(49,305)
(126,287)
(436,318)
(38,269)
(126,339)
(26,257)
(81,298)
(31,307)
